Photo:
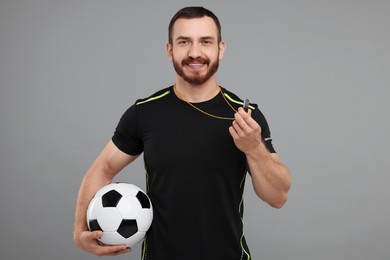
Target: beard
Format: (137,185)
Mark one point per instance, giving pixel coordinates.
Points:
(195,78)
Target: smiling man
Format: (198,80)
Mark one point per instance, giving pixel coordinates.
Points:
(198,145)
(195,48)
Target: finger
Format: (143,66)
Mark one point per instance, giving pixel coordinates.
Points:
(237,128)
(116,250)
(95,235)
(247,118)
(90,237)
(250,112)
(105,250)
(121,252)
(241,118)
(245,115)
(233,133)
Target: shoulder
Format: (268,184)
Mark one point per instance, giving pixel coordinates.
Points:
(159,95)
(236,100)
(147,104)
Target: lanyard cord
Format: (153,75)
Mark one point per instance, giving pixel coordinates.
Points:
(204,112)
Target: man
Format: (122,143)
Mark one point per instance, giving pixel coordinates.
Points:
(198,144)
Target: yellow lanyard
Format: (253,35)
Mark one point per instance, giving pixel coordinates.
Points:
(204,112)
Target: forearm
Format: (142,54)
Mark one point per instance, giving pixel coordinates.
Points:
(271,179)
(86,240)
(110,162)
(93,180)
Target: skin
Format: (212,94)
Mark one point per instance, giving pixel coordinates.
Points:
(196,39)
(110,161)
(270,178)
(193,40)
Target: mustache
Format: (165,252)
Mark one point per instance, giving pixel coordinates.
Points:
(197,60)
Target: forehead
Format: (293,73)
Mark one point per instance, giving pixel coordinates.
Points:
(195,28)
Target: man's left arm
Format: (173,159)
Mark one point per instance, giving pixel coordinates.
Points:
(271,179)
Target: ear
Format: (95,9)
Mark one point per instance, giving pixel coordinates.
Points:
(222,48)
(168,48)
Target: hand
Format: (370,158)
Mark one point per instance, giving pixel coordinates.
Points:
(246,132)
(87,241)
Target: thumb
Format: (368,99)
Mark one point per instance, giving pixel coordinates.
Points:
(96,234)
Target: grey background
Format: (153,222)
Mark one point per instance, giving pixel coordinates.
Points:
(320,71)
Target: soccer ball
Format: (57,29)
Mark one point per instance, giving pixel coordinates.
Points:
(122,211)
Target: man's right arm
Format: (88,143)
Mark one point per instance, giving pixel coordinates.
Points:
(110,162)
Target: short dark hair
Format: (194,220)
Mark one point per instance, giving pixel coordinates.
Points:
(193,12)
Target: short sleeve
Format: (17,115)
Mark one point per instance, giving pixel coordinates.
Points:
(265,131)
(126,136)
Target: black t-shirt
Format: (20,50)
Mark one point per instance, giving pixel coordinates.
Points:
(195,175)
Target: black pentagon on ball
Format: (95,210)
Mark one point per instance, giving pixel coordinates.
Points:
(111,198)
(128,227)
(143,199)
(94,225)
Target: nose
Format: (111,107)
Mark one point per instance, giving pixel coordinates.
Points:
(194,51)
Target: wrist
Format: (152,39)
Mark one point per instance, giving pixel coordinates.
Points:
(258,152)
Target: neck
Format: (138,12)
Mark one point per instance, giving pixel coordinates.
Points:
(196,93)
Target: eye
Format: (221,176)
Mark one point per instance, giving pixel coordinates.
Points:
(182,42)
(207,42)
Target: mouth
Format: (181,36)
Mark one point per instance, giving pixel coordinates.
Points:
(195,64)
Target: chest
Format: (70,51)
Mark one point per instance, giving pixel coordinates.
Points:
(188,141)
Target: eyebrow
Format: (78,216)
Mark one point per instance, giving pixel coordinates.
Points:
(188,38)
(182,38)
(208,38)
